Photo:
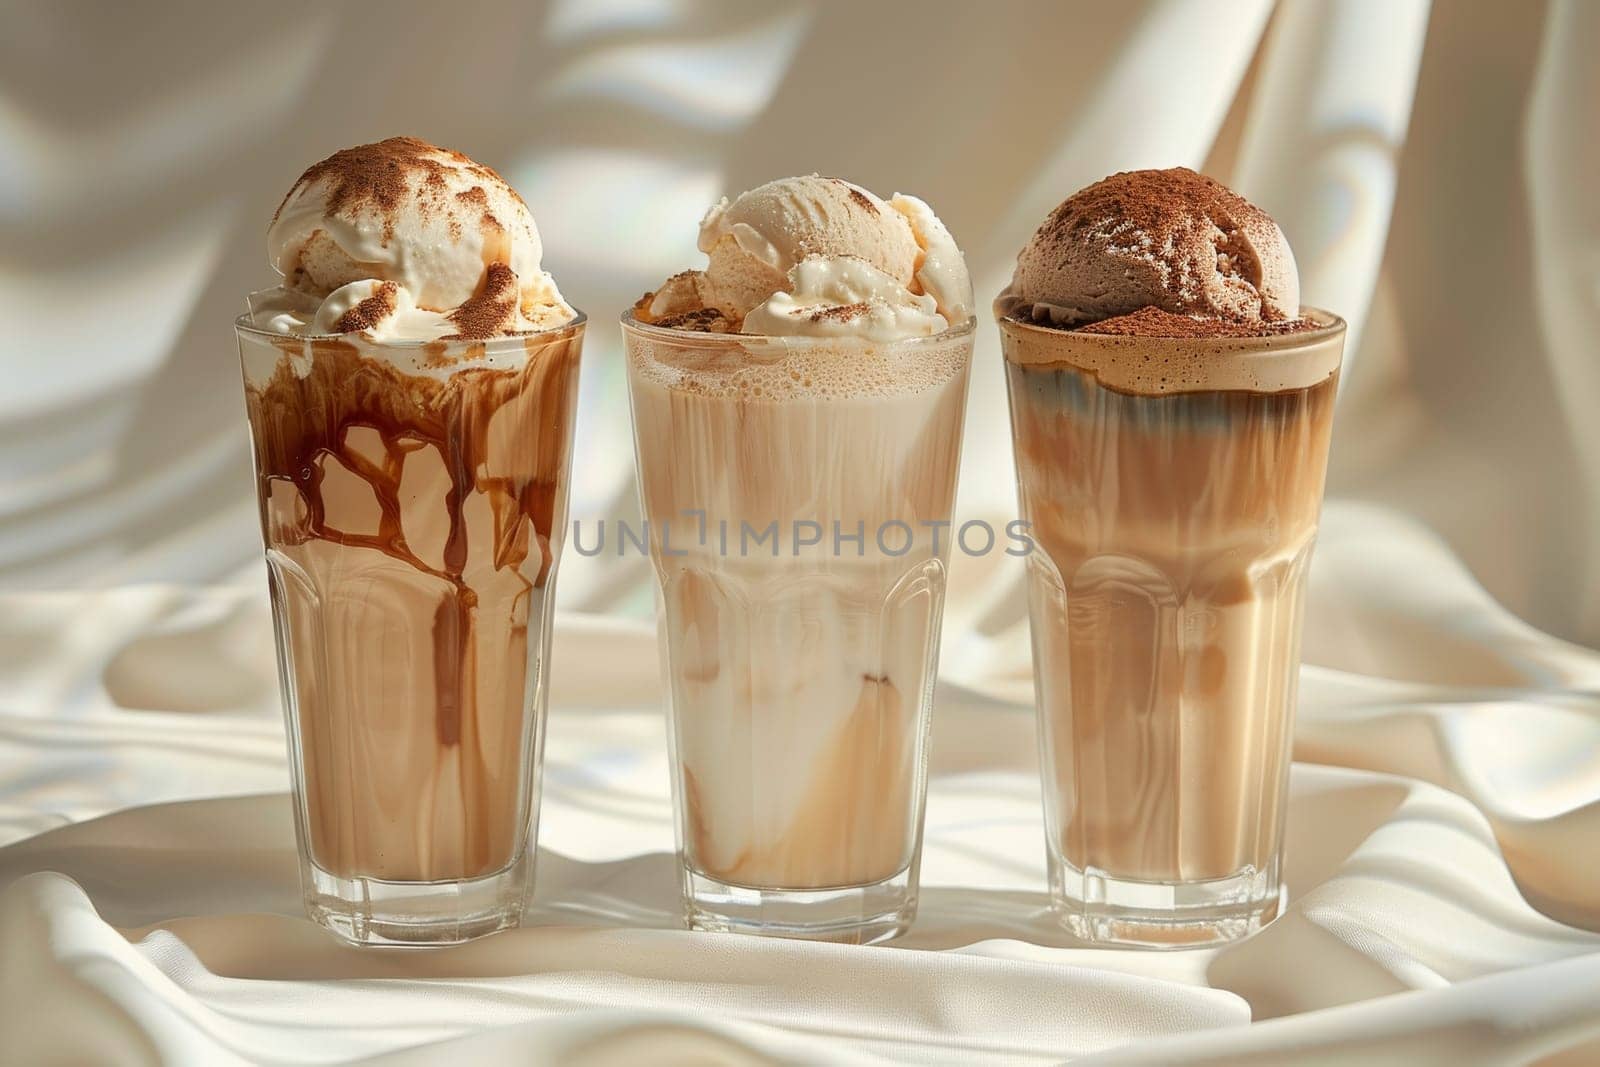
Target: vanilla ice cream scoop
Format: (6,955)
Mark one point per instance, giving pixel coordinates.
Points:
(1168,239)
(819,256)
(431,243)
(754,240)
(842,296)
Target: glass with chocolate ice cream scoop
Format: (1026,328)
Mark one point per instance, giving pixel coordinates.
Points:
(1172,487)
(413,498)
(791,487)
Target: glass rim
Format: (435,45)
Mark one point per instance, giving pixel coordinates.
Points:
(1329,326)
(244,326)
(966,327)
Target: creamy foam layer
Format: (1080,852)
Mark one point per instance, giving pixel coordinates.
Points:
(797,368)
(1160,365)
(799,678)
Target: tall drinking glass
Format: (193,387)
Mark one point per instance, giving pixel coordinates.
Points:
(413,498)
(797,493)
(1172,488)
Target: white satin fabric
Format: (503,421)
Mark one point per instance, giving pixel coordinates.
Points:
(1419,925)
(1434,171)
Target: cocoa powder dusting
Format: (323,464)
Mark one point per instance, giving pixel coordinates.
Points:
(862,200)
(1156,322)
(476,198)
(369,312)
(840,312)
(1151,202)
(380,176)
(375,175)
(492,309)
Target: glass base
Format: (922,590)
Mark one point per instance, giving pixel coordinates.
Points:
(855,915)
(370,911)
(1095,906)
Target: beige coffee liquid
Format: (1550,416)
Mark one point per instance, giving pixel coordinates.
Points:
(413,518)
(800,683)
(1173,488)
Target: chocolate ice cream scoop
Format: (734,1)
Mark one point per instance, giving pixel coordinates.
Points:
(1167,239)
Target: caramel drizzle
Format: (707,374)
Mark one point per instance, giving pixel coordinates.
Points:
(300,423)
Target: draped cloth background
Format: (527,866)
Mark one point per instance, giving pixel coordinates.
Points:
(1434,171)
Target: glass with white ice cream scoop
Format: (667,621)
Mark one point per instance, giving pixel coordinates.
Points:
(413,498)
(793,489)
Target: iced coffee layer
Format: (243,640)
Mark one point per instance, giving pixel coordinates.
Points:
(1136,362)
(412,502)
(798,679)
(1173,535)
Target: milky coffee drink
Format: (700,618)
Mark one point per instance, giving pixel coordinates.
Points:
(410,388)
(1171,410)
(797,410)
